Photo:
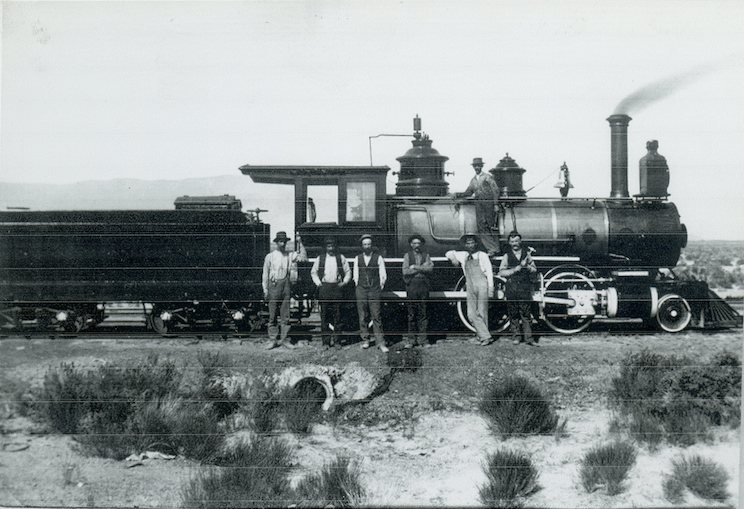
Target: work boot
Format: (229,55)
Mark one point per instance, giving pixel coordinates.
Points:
(383,348)
(272,344)
(289,345)
(365,344)
(516,341)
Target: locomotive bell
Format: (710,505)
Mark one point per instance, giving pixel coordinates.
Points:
(421,168)
(508,176)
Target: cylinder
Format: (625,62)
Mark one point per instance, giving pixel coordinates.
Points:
(619,153)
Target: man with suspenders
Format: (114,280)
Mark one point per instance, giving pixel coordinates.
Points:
(279,272)
(369,276)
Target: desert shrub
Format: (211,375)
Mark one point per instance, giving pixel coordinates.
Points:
(250,474)
(668,397)
(607,465)
(701,476)
(407,359)
(674,489)
(516,406)
(510,476)
(213,365)
(263,406)
(301,405)
(338,484)
(109,392)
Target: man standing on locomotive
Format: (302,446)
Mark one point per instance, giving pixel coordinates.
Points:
(417,268)
(516,267)
(330,274)
(369,276)
(478,271)
(485,193)
(279,272)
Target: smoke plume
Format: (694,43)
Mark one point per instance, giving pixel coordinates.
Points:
(660,89)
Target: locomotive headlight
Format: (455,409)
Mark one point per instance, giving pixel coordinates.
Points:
(238,315)
(61,316)
(165,316)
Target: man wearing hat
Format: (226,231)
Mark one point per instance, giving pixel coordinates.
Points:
(369,276)
(330,274)
(516,267)
(417,269)
(279,272)
(485,193)
(479,277)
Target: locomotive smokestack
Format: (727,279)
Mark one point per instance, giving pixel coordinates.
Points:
(619,149)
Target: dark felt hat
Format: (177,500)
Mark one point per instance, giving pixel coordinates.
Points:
(281,236)
(477,161)
(416,236)
(365,236)
(467,236)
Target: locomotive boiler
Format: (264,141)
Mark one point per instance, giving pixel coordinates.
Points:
(197,264)
(606,257)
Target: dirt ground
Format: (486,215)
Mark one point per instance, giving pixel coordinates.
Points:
(422,443)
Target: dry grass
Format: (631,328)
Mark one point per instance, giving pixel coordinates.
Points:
(607,465)
(511,476)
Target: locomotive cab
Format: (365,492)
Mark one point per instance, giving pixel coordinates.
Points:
(339,201)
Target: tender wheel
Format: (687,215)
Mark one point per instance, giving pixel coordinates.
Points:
(674,313)
(157,324)
(498,318)
(555,314)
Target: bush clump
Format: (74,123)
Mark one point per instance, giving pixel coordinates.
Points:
(516,406)
(302,404)
(673,398)
(338,484)
(607,465)
(114,411)
(510,475)
(699,475)
(251,474)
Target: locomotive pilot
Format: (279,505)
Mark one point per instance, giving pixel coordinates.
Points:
(478,271)
(369,276)
(516,267)
(330,274)
(279,272)
(485,193)
(417,269)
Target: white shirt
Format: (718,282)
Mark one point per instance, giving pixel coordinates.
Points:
(331,270)
(277,265)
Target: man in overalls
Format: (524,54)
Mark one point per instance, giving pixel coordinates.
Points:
(369,276)
(330,274)
(479,277)
(516,267)
(485,193)
(278,270)
(417,268)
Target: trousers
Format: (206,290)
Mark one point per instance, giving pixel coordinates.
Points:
(329,296)
(278,295)
(519,319)
(418,293)
(368,307)
(477,295)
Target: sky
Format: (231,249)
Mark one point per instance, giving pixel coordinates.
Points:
(151,90)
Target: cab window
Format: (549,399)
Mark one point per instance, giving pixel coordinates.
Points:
(361,200)
(322,204)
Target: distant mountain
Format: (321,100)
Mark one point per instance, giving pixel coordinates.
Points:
(149,194)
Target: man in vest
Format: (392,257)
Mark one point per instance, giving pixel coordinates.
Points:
(279,270)
(330,274)
(417,269)
(485,193)
(516,267)
(369,276)
(479,277)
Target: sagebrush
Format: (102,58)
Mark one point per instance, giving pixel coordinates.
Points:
(703,477)
(607,465)
(510,476)
(337,484)
(517,406)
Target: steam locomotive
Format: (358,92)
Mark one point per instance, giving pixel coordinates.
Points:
(598,257)
(200,264)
